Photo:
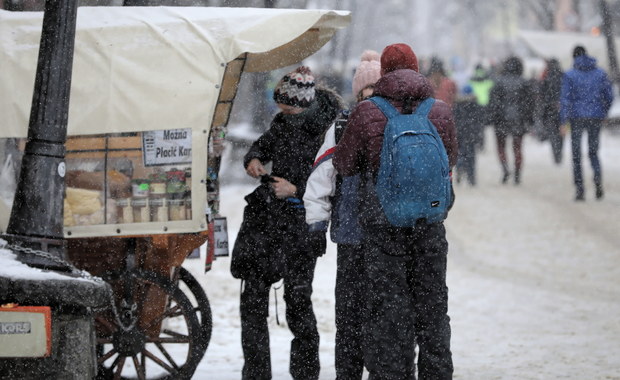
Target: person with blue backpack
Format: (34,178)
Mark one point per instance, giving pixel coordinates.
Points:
(402,143)
(330,197)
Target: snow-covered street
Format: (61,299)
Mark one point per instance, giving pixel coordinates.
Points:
(534,277)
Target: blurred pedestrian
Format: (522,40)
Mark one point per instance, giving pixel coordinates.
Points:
(468,119)
(405,266)
(481,84)
(550,88)
(331,195)
(444,87)
(274,241)
(511,109)
(586,98)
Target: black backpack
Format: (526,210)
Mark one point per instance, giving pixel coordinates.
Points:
(253,254)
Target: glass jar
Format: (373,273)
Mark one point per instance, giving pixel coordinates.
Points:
(176,209)
(125,210)
(175,181)
(188,208)
(157,184)
(188,179)
(159,209)
(141,210)
(140,188)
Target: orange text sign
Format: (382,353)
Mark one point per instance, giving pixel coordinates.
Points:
(25,331)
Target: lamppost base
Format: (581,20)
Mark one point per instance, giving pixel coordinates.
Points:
(37,252)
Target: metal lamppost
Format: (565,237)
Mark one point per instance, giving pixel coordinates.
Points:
(609,39)
(36,221)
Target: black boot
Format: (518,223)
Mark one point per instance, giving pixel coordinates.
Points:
(506,176)
(599,192)
(580,195)
(517,177)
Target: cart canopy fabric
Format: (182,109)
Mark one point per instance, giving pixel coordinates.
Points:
(153,68)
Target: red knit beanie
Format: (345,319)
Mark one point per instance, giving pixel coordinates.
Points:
(398,56)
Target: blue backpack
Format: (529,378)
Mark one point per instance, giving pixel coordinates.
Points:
(413,183)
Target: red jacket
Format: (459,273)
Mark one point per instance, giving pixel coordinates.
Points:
(360,147)
(445,90)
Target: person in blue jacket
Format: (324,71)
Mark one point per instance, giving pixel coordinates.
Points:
(585,99)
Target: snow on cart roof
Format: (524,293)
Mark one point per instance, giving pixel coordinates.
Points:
(153,68)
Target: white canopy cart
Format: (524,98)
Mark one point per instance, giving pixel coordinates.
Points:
(152,90)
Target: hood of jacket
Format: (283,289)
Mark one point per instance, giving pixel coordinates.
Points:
(359,150)
(404,84)
(584,63)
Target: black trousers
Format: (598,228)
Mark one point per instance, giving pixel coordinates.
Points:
(350,312)
(407,294)
(304,362)
(466,164)
(592,127)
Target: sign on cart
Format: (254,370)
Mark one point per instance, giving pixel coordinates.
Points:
(168,147)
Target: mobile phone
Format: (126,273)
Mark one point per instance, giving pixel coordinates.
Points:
(266,178)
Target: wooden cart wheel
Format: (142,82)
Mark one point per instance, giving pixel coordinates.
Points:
(200,302)
(155,343)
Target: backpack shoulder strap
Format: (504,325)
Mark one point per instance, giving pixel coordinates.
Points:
(385,106)
(425,107)
(340,125)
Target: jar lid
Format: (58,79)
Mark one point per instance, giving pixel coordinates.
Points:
(176,174)
(157,177)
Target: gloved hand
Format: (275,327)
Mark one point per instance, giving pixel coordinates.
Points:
(315,240)
(315,243)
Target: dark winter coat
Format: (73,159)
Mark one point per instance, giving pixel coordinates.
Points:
(468,119)
(272,227)
(359,149)
(292,141)
(586,91)
(511,105)
(550,88)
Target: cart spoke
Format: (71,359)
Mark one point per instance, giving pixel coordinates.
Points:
(106,356)
(175,311)
(175,334)
(167,355)
(158,361)
(105,323)
(119,369)
(143,362)
(170,340)
(105,340)
(115,362)
(139,368)
(178,311)
(175,275)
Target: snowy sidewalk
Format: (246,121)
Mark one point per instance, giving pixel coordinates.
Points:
(534,278)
